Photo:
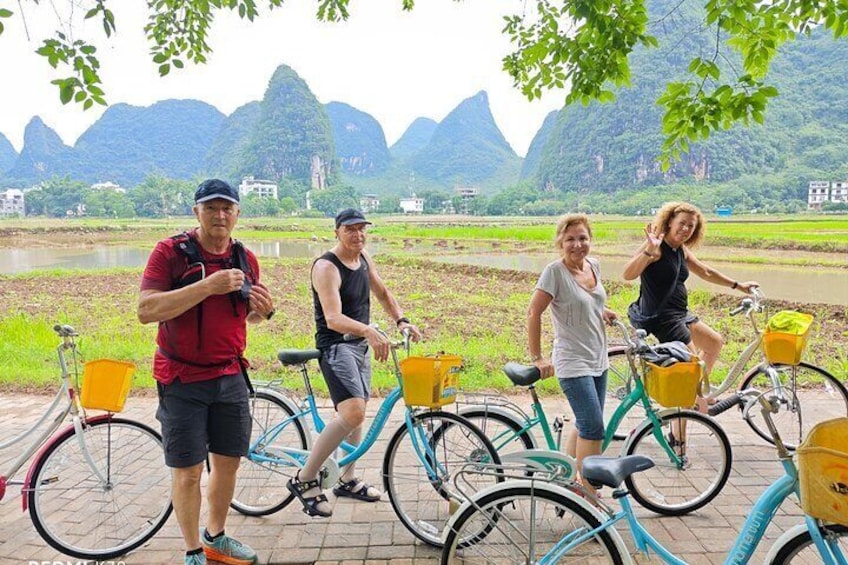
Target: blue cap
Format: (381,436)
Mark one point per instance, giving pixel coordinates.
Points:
(215,188)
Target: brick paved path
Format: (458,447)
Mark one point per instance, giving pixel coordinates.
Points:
(360,532)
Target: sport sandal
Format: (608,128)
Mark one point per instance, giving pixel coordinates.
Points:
(310,503)
(357,489)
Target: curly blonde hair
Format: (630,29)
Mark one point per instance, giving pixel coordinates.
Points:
(566,222)
(664,216)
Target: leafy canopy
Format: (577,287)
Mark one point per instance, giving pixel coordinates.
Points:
(583,45)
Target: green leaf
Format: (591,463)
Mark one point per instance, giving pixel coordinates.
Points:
(66,92)
(4,13)
(164,69)
(88,104)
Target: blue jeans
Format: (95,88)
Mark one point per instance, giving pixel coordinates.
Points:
(586,396)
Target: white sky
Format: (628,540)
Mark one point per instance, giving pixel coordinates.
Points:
(394,65)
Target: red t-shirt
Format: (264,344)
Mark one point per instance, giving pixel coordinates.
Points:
(183,353)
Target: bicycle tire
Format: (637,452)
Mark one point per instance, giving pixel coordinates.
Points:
(506,434)
(424,505)
(792,421)
(79,516)
(800,549)
(511,516)
(261,486)
(672,491)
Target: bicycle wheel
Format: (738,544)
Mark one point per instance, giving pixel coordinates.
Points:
(260,484)
(800,550)
(521,525)
(507,434)
(674,490)
(809,395)
(424,503)
(80,515)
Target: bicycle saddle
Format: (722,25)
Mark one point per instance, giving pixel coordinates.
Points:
(611,471)
(522,375)
(297,356)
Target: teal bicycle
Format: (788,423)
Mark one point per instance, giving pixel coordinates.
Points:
(418,466)
(543,521)
(691,470)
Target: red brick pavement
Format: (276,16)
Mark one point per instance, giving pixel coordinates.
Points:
(360,532)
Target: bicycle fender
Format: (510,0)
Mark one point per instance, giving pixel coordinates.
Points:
(505,412)
(551,487)
(783,540)
(292,405)
(60,435)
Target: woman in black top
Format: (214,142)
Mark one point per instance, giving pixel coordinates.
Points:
(663,264)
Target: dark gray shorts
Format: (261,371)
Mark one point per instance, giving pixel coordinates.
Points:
(205,417)
(347,370)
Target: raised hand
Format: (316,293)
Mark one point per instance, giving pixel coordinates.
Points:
(653,240)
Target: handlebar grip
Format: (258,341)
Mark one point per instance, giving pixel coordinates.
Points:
(737,310)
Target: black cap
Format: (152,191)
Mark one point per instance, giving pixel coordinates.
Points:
(350,216)
(215,188)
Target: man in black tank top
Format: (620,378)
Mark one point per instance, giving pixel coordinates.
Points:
(342,282)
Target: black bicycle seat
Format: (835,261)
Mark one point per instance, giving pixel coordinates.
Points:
(297,356)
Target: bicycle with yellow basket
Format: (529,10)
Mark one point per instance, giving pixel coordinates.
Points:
(96,488)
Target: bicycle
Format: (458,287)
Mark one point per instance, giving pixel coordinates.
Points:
(543,520)
(788,384)
(90,490)
(420,459)
(694,469)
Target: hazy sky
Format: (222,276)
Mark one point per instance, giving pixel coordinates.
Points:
(394,65)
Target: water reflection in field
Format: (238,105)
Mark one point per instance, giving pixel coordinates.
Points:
(801,284)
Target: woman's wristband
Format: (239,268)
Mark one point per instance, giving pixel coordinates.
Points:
(648,254)
(534,358)
(403,320)
(734,285)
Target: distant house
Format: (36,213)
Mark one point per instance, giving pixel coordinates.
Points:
(466,195)
(412,205)
(108,186)
(839,191)
(369,203)
(817,193)
(12,203)
(259,187)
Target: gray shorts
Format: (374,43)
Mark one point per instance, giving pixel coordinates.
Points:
(199,418)
(347,370)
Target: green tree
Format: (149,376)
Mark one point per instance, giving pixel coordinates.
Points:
(331,200)
(108,204)
(158,196)
(57,197)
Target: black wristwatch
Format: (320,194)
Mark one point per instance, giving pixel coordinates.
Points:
(270,314)
(403,320)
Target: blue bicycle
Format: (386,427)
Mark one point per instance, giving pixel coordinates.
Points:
(421,457)
(546,520)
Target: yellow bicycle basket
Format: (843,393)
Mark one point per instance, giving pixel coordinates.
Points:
(675,385)
(786,337)
(823,471)
(430,381)
(106,384)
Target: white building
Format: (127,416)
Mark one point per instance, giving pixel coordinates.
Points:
(412,205)
(839,191)
(817,193)
(369,203)
(12,203)
(108,186)
(259,187)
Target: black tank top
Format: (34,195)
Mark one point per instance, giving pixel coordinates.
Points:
(355,294)
(656,282)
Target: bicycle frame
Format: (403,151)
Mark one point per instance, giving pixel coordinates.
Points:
(353,452)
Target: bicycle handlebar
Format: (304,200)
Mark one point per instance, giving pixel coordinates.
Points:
(65,330)
(402,343)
